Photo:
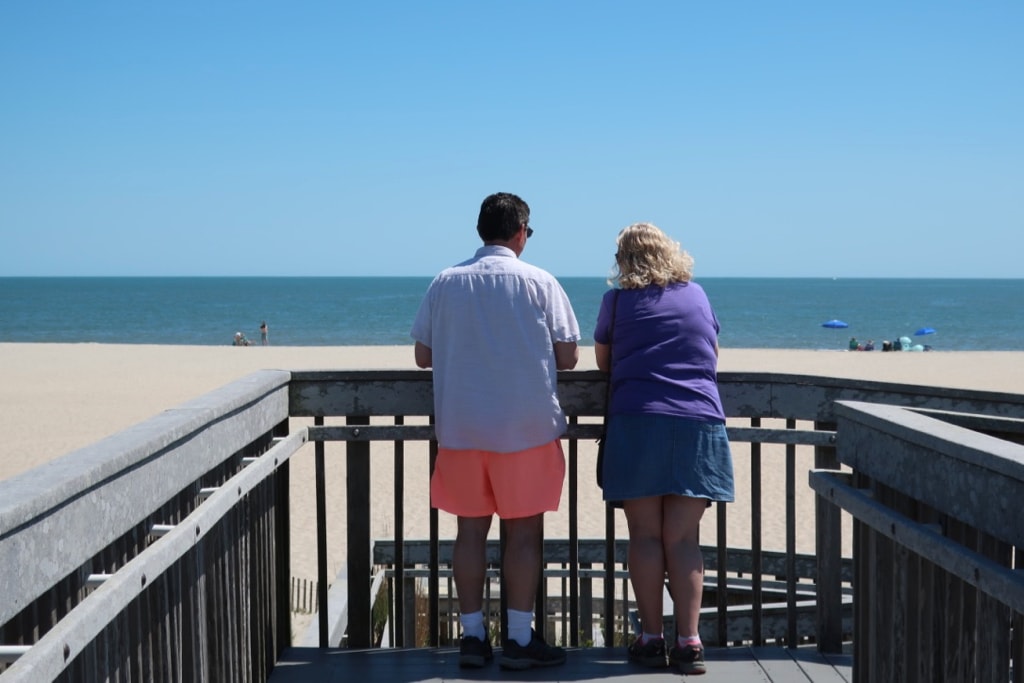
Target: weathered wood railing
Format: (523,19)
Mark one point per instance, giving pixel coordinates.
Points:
(162,553)
(938,541)
(158,554)
(572,614)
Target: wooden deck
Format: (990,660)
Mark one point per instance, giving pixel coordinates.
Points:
(156,554)
(725,665)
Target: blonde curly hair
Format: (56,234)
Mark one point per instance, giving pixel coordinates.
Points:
(647,256)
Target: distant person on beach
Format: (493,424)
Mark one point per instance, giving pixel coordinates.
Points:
(854,346)
(667,456)
(869,345)
(240,340)
(263,334)
(495,330)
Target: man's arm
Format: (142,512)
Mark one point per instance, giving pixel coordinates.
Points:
(424,355)
(567,354)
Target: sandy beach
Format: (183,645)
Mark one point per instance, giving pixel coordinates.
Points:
(55,398)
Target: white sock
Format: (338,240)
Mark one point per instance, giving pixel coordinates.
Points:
(519,626)
(473,625)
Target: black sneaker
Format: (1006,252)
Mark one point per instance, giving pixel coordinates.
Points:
(689,660)
(651,654)
(537,653)
(474,653)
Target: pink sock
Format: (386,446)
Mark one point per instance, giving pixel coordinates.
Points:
(690,641)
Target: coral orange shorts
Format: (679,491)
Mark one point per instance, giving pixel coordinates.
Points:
(472,483)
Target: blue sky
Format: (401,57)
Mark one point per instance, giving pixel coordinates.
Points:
(868,139)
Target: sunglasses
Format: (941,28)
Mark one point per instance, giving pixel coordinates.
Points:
(529,231)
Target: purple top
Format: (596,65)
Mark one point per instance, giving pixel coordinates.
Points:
(663,355)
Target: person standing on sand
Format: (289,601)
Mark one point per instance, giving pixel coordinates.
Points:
(495,330)
(263,334)
(667,455)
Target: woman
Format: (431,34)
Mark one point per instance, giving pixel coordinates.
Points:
(666,451)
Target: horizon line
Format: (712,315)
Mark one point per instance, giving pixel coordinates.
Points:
(604,277)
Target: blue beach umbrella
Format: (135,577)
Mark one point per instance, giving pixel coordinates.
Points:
(924,330)
(834,324)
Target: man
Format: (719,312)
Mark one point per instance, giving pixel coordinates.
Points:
(495,330)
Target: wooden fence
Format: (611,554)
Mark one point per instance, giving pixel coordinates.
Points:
(939,541)
(303,595)
(161,553)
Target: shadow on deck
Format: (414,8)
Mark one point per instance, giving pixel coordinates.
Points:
(734,665)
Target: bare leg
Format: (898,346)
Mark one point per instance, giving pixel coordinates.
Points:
(469,562)
(646,559)
(521,568)
(680,534)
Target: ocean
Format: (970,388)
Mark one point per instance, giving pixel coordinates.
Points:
(776,313)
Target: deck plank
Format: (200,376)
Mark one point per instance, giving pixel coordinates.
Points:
(725,665)
(832,668)
(803,665)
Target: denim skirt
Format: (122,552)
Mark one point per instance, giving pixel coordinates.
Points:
(660,455)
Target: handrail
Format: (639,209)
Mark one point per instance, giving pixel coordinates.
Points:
(936,516)
(78,535)
(98,494)
(96,511)
(82,625)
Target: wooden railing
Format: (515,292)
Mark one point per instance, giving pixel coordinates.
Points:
(158,554)
(161,553)
(938,541)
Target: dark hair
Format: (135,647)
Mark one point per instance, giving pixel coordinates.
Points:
(501,215)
